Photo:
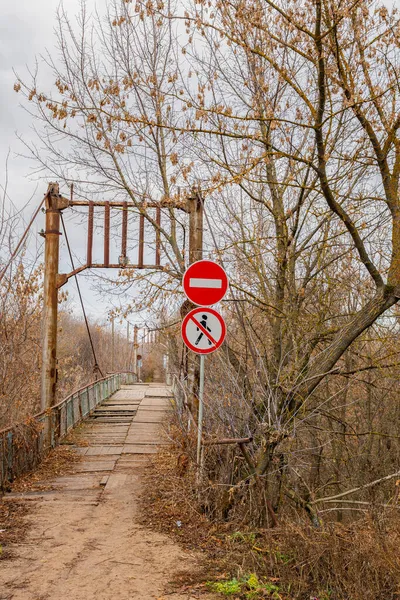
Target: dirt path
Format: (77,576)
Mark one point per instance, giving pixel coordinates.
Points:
(87,541)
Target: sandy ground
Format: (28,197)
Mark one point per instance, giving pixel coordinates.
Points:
(87,541)
(83,551)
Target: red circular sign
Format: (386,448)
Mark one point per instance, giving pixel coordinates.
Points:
(203,330)
(205,282)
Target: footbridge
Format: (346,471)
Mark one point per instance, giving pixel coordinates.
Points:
(121,420)
(86,539)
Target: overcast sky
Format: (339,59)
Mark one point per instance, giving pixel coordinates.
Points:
(26,30)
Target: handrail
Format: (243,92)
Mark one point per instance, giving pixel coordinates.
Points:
(81,390)
(77,391)
(23,445)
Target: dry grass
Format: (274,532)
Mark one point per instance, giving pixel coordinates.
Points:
(59,461)
(13,525)
(356,562)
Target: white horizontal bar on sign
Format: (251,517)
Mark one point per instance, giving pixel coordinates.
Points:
(198,282)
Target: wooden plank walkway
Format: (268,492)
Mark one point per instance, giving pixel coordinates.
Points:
(124,430)
(86,540)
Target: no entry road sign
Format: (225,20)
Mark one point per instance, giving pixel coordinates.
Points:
(205,282)
(203,330)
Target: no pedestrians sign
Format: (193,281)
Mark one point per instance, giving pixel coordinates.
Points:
(203,330)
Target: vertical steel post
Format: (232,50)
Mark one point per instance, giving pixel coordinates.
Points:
(89,257)
(50,295)
(196,214)
(141,242)
(158,236)
(195,207)
(201,405)
(135,353)
(124,231)
(127,343)
(106,234)
(112,345)
(54,204)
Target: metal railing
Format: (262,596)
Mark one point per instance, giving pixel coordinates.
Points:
(23,446)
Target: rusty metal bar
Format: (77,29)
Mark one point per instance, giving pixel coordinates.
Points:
(124,228)
(112,266)
(181,205)
(90,235)
(106,234)
(229,441)
(158,236)
(63,277)
(141,241)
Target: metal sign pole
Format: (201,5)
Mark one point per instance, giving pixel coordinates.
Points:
(203,328)
(200,418)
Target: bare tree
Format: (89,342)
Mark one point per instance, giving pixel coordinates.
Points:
(287,112)
(110,123)
(301,104)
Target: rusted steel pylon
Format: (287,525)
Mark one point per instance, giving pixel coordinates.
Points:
(191,363)
(55,203)
(53,280)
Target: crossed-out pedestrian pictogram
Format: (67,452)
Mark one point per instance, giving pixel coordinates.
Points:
(203,330)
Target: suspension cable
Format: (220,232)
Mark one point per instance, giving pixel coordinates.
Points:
(96,364)
(21,241)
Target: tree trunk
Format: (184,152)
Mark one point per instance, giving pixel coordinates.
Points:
(324,362)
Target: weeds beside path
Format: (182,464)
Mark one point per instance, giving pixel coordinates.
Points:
(291,562)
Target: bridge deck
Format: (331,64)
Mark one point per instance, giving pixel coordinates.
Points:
(86,541)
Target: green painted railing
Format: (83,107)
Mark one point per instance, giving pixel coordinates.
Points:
(22,446)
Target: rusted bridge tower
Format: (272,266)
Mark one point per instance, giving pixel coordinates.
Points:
(53,280)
